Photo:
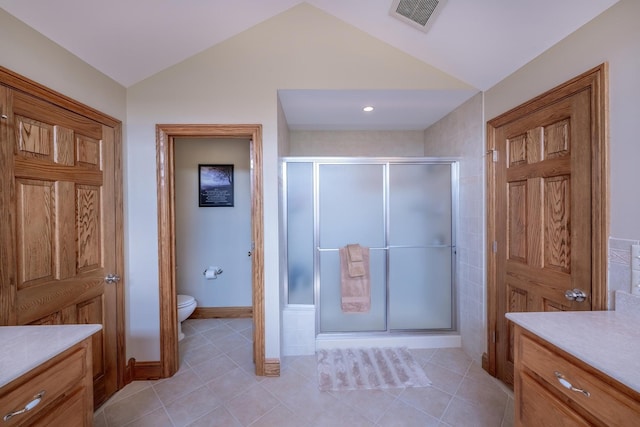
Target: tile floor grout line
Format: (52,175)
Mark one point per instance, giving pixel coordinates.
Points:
(147,413)
(381,417)
(422,410)
(444,412)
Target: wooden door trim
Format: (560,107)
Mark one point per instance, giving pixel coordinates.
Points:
(20,83)
(596,82)
(119,201)
(165,144)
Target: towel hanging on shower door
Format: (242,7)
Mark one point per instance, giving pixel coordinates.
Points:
(355,283)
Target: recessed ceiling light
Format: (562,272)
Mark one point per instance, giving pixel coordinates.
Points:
(367,109)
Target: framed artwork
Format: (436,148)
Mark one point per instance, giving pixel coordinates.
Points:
(215,185)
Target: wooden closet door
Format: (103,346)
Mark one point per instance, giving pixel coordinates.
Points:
(58,231)
(543,195)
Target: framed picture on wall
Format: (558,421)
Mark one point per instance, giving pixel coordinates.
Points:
(215,185)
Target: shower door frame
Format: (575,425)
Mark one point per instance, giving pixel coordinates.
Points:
(386,162)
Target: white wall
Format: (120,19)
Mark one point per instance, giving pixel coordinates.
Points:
(237,82)
(460,134)
(213,236)
(612,37)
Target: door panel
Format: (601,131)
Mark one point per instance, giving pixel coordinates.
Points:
(543,200)
(420,295)
(61,174)
(351,210)
(351,205)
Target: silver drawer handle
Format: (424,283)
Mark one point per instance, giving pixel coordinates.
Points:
(29,406)
(566,384)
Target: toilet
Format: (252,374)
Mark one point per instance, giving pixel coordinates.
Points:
(186,305)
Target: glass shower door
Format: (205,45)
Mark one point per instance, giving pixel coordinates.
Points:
(351,210)
(300,226)
(420,246)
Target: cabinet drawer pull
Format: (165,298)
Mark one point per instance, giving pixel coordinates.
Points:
(566,384)
(29,406)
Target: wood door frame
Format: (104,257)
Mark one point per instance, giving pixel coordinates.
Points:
(165,145)
(596,82)
(16,81)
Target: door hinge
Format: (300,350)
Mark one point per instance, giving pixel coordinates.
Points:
(494,246)
(494,155)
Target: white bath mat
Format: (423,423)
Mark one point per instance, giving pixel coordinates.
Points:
(368,368)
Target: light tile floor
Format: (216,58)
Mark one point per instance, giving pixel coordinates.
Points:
(215,386)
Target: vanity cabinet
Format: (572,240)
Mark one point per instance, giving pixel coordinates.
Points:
(58,392)
(554,388)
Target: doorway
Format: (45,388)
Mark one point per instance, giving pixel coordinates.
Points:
(547,213)
(166,136)
(212,182)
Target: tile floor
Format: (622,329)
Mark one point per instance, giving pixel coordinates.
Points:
(215,386)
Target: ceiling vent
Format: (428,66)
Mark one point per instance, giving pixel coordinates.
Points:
(419,14)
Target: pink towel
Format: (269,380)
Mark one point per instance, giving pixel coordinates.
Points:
(355,287)
(355,261)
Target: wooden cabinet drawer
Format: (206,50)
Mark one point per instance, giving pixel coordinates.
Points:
(54,378)
(70,412)
(538,408)
(601,397)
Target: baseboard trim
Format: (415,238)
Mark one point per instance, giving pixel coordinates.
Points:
(272,367)
(222,312)
(141,371)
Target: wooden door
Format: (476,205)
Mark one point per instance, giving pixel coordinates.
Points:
(59,224)
(543,216)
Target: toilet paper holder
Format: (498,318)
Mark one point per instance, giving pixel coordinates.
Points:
(216,270)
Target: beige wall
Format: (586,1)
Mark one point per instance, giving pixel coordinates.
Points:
(460,135)
(611,37)
(29,53)
(357,143)
(34,56)
(283,150)
(237,82)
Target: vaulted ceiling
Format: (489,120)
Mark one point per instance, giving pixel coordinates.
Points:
(479,42)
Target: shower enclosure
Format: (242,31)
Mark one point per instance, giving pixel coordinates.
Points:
(403,210)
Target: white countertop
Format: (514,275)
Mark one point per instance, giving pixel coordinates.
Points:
(607,340)
(23,348)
